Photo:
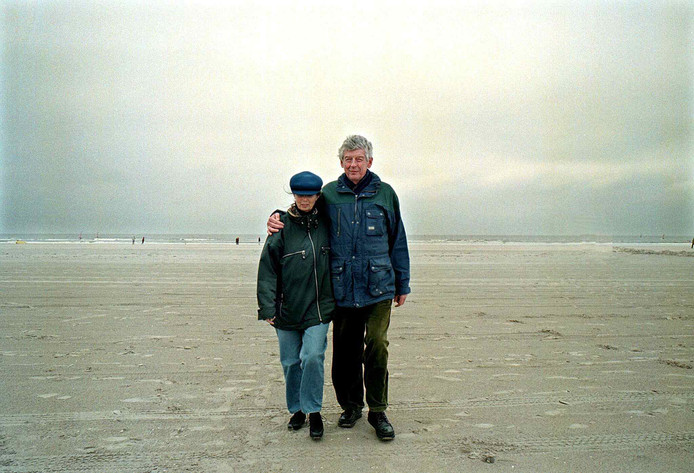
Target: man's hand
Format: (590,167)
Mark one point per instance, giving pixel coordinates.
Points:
(274,224)
(400,299)
(271,321)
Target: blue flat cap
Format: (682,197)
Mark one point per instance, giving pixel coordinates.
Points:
(305,183)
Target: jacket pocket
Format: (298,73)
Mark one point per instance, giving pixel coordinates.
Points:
(375,221)
(337,273)
(381,277)
(294,253)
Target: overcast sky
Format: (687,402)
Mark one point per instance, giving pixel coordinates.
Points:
(518,118)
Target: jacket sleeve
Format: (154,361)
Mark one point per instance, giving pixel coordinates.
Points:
(399,254)
(269,285)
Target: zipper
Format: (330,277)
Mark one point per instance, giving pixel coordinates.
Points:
(315,275)
(355,236)
(339,211)
(302,253)
(355,232)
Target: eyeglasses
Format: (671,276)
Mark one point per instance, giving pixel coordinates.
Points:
(358,160)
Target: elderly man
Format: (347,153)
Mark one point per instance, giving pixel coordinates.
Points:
(370,268)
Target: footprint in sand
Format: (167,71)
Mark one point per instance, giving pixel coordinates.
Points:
(448,378)
(139,400)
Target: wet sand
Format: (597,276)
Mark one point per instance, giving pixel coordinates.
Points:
(120,358)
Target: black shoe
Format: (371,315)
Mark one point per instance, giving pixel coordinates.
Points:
(297,421)
(349,418)
(384,429)
(315,422)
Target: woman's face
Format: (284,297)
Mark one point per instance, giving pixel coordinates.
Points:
(305,202)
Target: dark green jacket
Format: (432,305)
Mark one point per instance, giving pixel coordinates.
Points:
(294,273)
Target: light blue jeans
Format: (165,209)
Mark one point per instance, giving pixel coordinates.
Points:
(302,354)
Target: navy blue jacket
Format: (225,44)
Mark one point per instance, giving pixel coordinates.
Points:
(369,260)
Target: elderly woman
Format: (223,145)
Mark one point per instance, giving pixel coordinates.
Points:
(295,297)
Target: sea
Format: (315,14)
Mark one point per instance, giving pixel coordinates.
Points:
(244,239)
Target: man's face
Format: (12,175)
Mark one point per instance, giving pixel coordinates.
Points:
(355,164)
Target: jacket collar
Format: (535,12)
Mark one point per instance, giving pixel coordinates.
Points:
(310,219)
(371,189)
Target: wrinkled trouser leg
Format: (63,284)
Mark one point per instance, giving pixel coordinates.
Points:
(302,355)
(376,356)
(360,361)
(290,346)
(348,343)
(312,355)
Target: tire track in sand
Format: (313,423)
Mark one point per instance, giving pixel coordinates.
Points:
(108,462)
(637,397)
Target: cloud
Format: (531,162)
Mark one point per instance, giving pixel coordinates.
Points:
(191,118)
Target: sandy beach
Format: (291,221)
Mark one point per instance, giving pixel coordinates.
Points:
(506,357)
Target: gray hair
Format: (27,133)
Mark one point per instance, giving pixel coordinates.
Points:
(353,142)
